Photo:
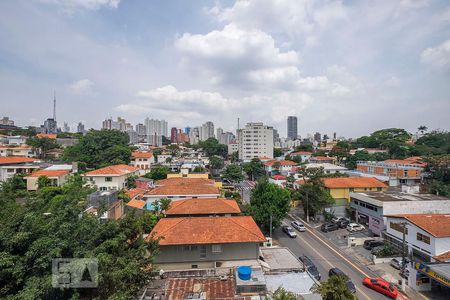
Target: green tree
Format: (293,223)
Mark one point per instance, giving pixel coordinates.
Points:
(43,181)
(269,200)
(198,169)
(212,147)
(307,147)
(254,169)
(216,162)
(157,172)
(131,181)
(42,145)
(282,294)
(422,129)
(438,179)
(100,148)
(232,173)
(334,288)
(277,152)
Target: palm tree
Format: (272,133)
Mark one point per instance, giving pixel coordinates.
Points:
(334,288)
(282,294)
(422,128)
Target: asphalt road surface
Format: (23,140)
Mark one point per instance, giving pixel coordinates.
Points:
(326,256)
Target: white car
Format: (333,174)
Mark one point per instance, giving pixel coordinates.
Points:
(289,231)
(298,225)
(355,227)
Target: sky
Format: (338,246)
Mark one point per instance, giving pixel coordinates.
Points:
(350,67)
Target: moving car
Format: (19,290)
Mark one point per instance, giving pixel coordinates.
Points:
(298,225)
(382,286)
(310,267)
(327,227)
(355,227)
(338,272)
(289,231)
(370,244)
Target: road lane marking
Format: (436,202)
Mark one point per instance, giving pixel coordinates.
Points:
(331,248)
(326,260)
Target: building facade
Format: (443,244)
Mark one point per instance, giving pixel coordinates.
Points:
(292,124)
(255,140)
(156,129)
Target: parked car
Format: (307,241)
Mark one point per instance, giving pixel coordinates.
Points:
(327,227)
(355,227)
(397,263)
(370,244)
(343,223)
(310,267)
(337,219)
(289,231)
(298,225)
(338,272)
(382,286)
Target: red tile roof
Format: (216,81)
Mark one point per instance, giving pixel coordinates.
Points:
(321,158)
(184,181)
(136,203)
(207,230)
(215,288)
(353,182)
(437,225)
(281,162)
(279,177)
(46,135)
(203,206)
(6,160)
(407,161)
(191,189)
(444,257)
(141,154)
(113,170)
(49,173)
(135,192)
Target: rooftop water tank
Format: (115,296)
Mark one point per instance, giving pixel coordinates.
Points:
(244,272)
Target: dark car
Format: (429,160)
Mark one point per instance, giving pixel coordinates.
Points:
(343,223)
(327,227)
(338,272)
(370,244)
(310,267)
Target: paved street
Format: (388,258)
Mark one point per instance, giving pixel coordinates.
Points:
(325,256)
(245,188)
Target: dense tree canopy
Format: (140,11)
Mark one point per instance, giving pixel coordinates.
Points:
(52,225)
(99,148)
(254,169)
(269,200)
(335,288)
(42,145)
(233,173)
(212,147)
(277,152)
(157,172)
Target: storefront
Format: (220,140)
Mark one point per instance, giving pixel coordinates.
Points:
(427,277)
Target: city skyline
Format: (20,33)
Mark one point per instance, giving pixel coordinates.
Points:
(325,61)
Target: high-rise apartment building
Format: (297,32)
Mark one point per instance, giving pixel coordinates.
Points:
(207,131)
(255,140)
(66,127)
(156,129)
(6,121)
(194,135)
(80,128)
(292,127)
(219,133)
(50,126)
(173,134)
(317,137)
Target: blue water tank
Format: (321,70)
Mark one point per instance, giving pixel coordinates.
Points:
(244,272)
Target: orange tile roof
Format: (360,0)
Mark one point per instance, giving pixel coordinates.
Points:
(437,225)
(444,257)
(191,189)
(46,135)
(203,206)
(282,163)
(321,158)
(23,147)
(112,170)
(184,181)
(136,203)
(353,182)
(301,153)
(141,154)
(279,177)
(4,160)
(49,173)
(407,161)
(214,288)
(135,192)
(207,230)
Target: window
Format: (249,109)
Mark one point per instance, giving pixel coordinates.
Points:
(108,179)
(103,188)
(216,248)
(423,238)
(202,251)
(379,189)
(398,227)
(194,266)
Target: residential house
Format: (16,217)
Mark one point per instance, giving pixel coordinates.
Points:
(369,150)
(111,177)
(279,180)
(304,155)
(57,178)
(322,159)
(327,167)
(369,208)
(164,157)
(279,166)
(233,147)
(106,205)
(11,165)
(395,172)
(203,207)
(144,183)
(205,242)
(142,160)
(341,187)
(46,135)
(16,140)
(22,150)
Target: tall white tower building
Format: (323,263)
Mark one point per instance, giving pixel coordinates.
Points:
(255,140)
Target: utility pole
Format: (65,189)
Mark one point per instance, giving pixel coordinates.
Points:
(307,207)
(403,253)
(270,225)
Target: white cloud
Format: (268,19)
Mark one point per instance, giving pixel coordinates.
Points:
(81,87)
(83,4)
(438,57)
